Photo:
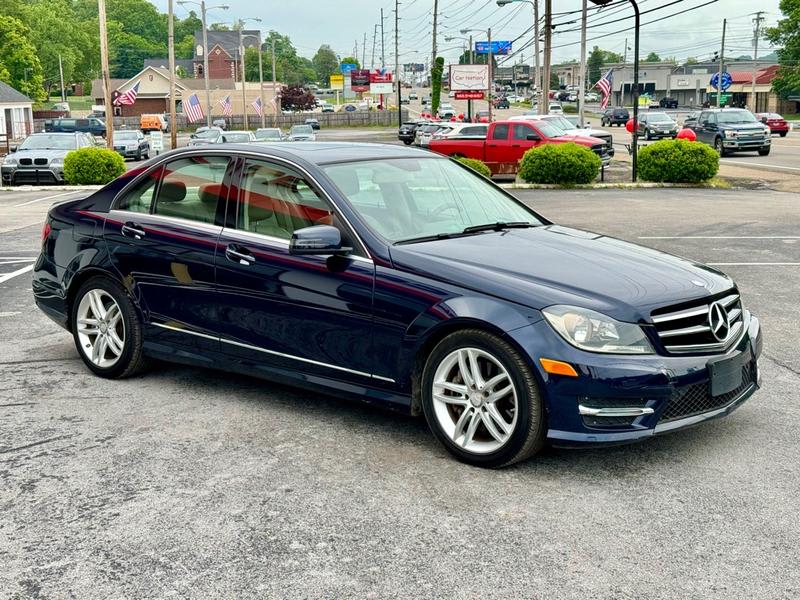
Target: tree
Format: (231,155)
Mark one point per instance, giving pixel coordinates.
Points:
(19,63)
(351,60)
(127,51)
(480,59)
(598,58)
(184,48)
(555,83)
(290,69)
(251,64)
(295,97)
(436,83)
(652,57)
(786,35)
(325,63)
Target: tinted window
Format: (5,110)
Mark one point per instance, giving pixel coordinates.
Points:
(191,188)
(520,132)
(140,198)
(500,132)
(275,200)
(477,130)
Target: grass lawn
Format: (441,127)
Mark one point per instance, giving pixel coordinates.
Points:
(75,103)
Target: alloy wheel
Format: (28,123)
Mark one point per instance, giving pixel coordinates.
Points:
(475,400)
(100,328)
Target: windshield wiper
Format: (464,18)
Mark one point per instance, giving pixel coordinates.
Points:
(426,238)
(498,226)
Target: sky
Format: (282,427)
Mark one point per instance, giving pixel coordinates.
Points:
(343,23)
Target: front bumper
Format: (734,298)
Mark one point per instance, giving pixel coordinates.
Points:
(670,392)
(128,152)
(36,175)
(746,144)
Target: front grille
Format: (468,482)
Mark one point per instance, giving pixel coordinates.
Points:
(34,177)
(25,161)
(697,399)
(40,161)
(600,422)
(686,328)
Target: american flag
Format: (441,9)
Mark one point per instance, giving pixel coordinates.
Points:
(256,104)
(605,85)
(128,97)
(227,107)
(192,109)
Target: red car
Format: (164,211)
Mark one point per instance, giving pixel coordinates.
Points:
(775,122)
(507,141)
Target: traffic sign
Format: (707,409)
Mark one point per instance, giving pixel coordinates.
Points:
(727,80)
(470,95)
(498,47)
(347,67)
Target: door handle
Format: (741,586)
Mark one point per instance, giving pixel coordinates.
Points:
(515,146)
(134,230)
(239,255)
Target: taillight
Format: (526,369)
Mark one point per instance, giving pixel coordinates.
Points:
(46,231)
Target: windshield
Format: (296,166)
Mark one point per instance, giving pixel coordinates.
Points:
(208,134)
(549,130)
(125,135)
(237,137)
(49,142)
(560,122)
(658,118)
(408,198)
(301,130)
(268,134)
(735,116)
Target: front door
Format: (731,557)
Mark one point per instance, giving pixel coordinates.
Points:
(287,313)
(499,153)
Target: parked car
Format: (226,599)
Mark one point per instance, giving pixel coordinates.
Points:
(502,103)
(775,122)
(301,133)
(462,131)
(407,132)
(40,157)
(424,134)
(313,122)
(206,135)
(405,100)
(555,108)
(566,125)
(413,95)
(615,116)
(148,123)
(238,137)
(269,134)
(221,123)
(426,100)
(691,120)
(667,102)
(131,144)
(505,330)
(91,125)
(591,97)
(327,107)
(446,111)
(481,116)
(657,125)
(507,141)
(733,130)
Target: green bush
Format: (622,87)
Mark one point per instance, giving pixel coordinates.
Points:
(565,164)
(476,165)
(570,109)
(678,161)
(89,166)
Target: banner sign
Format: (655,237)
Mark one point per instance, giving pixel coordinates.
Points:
(498,47)
(470,95)
(469,77)
(345,68)
(522,73)
(359,80)
(337,82)
(381,87)
(380,76)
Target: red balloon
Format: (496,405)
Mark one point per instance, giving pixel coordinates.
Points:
(687,134)
(630,125)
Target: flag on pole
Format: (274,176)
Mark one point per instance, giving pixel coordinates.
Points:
(128,97)
(256,104)
(192,109)
(605,85)
(227,107)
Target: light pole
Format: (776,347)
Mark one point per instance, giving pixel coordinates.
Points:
(537,80)
(471,61)
(241,23)
(203,9)
(635,91)
(489,62)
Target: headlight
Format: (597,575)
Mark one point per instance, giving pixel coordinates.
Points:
(57,163)
(767,131)
(9,161)
(730,134)
(595,332)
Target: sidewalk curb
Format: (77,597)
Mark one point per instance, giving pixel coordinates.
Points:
(51,188)
(607,186)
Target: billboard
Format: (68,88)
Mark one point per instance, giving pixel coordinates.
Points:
(380,76)
(359,80)
(337,82)
(469,77)
(414,67)
(498,47)
(345,68)
(522,73)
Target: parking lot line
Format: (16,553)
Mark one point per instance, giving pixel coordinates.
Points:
(7,276)
(754,264)
(47,198)
(719,237)
(749,164)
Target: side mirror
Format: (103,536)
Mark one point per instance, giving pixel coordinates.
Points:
(764,120)
(532,137)
(12,148)
(321,240)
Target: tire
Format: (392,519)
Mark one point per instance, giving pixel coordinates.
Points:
(719,147)
(783,133)
(147,156)
(139,155)
(647,135)
(130,359)
(477,445)
(764,151)
(407,142)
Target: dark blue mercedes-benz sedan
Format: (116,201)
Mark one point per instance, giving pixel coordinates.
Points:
(403,278)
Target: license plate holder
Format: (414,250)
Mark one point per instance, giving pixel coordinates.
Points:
(725,374)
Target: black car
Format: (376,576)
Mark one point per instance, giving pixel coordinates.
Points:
(407,132)
(615,116)
(667,102)
(733,130)
(501,103)
(91,125)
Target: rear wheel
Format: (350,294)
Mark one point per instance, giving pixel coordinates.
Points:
(481,400)
(783,133)
(107,329)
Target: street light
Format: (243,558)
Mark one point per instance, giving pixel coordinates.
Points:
(489,61)
(241,23)
(203,9)
(635,92)
(538,78)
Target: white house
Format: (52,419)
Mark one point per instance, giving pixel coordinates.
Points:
(16,113)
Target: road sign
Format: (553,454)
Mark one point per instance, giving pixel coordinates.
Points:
(156,141)
(498,47)
(347,67)
(337,82)
(727,80)
(470,95)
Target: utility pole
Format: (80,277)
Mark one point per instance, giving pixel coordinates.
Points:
(61,76)
(261,83)
(721,61)
(276,103)
(756,33)
(173,126)
(491,73)
(374,40)
(435,27)
(582,87)
(101,10)
(205,61)
(364,51)
(397,62)
(472,62)
(383,43)
(538,78)
(548,50)
(625,53)
(241,60)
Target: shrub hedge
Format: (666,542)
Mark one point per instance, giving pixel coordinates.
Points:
(476,165)
(678,161)
(565,164)
(90,166)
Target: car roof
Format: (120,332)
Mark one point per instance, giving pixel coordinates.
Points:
(61,133)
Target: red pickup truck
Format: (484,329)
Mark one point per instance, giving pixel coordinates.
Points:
(507,141)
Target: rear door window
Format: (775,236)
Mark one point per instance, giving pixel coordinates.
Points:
(192,187)
(140,198)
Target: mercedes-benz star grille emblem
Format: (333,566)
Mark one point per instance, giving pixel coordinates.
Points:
(718,321)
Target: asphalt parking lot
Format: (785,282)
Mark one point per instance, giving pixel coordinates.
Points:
(189,483)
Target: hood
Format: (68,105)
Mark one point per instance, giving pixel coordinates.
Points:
(547,265)
(583,139)
(48,154)
(759,127)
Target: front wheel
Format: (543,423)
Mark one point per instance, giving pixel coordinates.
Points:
(107,329)
(481,400)
(783,133)
(647,135)
(719,147)
(764,151)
